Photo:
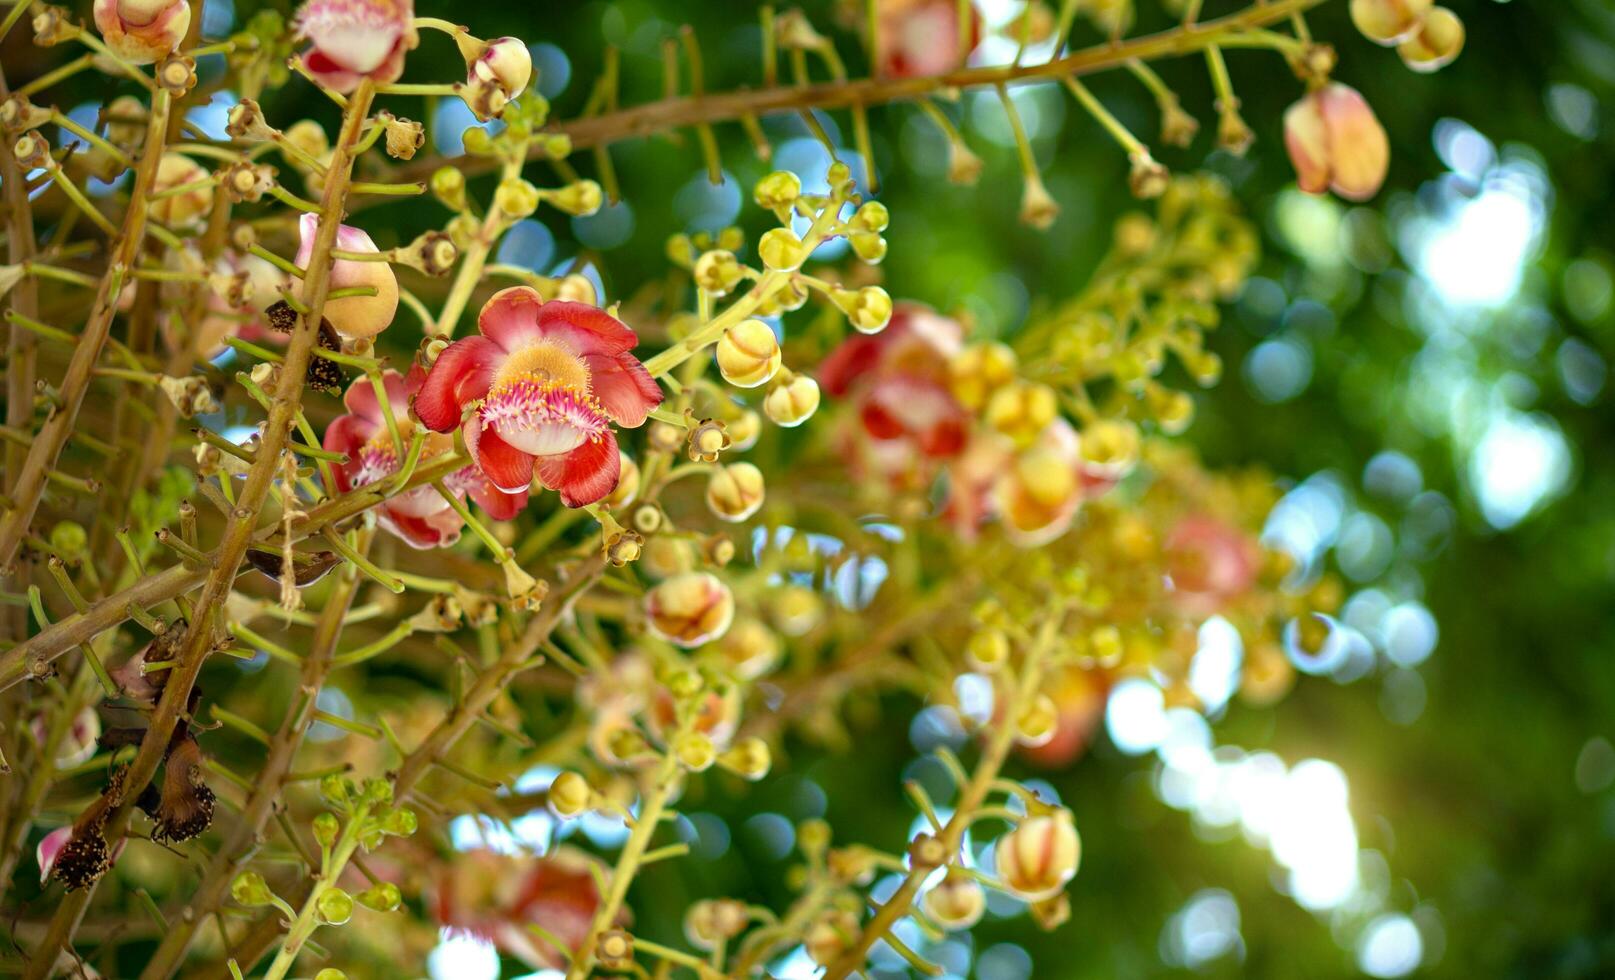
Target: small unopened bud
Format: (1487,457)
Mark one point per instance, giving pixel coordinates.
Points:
(1178,128)
(868,246)
(689,609)
(964,167)
(1233,133)
(711,922)
(579,198)
(872,216)
(978,371)
(382,897)
(956,903)
(745,429)
(717,271)
(792,403)
(868,309)
(781,250)
(250,889)
(778,191)
(1110,447)
(735,492)
(516,198)
(694,751)
(1022,410)
(569,795)
(1389,22)
(335,906)
(988,649)
(749,758)
(187,207)
(326,829)
(448,186)
(749,354)
(627,483)
(1038,857)
(1437,42)
(1037,722)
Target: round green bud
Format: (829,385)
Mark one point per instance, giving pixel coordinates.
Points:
(326,829)
(251,890)
(335,906)
(382,897)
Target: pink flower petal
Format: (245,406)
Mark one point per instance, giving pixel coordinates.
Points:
(623,387)
(437,531)
(585,474)
(855,357)
(506,467)
(347,434)
(591,329)
(463,373)
(496,503)
(510,318)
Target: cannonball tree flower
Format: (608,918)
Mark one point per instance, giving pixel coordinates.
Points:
(420,516)
(497,74)
(921,37)
(494,897)
(78,744)
(1038,857)
(1336,143)
(1209,563)
(353,316)
(907,415)
(545,382)
(142,31)
(356,39)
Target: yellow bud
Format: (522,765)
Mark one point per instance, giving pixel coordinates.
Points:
(717,271)
(868,246)
(868,309)
(748,354)
(1022,410)
(735,492)
(689,609)
(569,794)
(956,903)
(744,430)
(872,216)
(694,751)
(781,250)
(516,198)
(1037,722)
(1110,446)
(979,370)
(779,189)
(988,649)
(749,759)
(1037,858)
(792,403)
(581,197)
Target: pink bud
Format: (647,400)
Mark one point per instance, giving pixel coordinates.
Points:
(505,63)
(354,39)
(142,31)
(1336,143)
(49,849)
(353,316)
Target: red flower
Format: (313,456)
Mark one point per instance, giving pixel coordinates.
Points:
(494,896)
(421,516)
(898,378)
(1209,563)
(354,39)
(914,38)
(546,380)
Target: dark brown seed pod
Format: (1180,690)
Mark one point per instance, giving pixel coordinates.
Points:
(186,807)
(323,375)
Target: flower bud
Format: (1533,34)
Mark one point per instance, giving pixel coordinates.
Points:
(1037,722)
(695,751)
(745,429)
(750,648)
(1038,207)
(777,191)
(714,921)
(689,609)
(499,74)
(831,935)
(781,250)
(627,483)
(1109,447)
(1038,857)
(1147,178)
(381,897)
(579,198)
(978,371)
(353,316)
(868,309)
(1436,43)
(1336,143)
(735,492)
(326,829)
(187,207)
(748,353)
(330,973)
(872,216)
(792,403)
(749,759)
(717,271)
(796,609)
(964,167)
(250,889)
(517,198)
(577,288)
(1388,22)
(956,903)
(141,31)
(868,246)
(569,795)
(448,186)
(1022,410)
(988,649)
(335,906)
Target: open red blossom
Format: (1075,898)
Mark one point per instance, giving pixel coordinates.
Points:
(495,896)
(914,38)
(420,516)
(908,418)
(546,381)
(356,39)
